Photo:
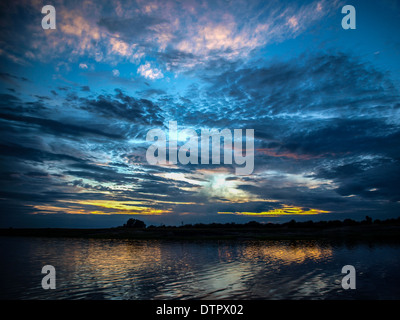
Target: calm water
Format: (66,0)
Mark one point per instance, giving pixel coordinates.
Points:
(122,269)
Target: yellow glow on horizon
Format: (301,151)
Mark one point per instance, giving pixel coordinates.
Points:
(120,207)
(54,209)
(143,211)
(286,210)
(109,204)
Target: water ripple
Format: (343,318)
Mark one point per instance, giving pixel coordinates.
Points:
(103,269)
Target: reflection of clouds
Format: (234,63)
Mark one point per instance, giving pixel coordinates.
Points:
(117,269)
(105,259)
(266,269)
(224,280)
(278,252)
(123,269)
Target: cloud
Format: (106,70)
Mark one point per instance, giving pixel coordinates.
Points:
(367,178)
(132,29)
(285,210)
(33,154)
(152,92)
(12,79)
(58,128)
(115,73)
(105,32)
(326,123)
(150,73)
(124,107)
(299,95)
(222,33)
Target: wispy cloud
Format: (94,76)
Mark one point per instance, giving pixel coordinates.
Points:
(133,31)
(75,117)
(150,73)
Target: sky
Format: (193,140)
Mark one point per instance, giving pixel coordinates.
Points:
(78,101)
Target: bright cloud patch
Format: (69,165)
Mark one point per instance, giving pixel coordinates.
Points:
(150,73)
(286,210)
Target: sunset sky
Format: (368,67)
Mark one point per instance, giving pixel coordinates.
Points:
(77,102)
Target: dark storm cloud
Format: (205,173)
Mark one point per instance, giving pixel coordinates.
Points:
(369,179)
(114,177)
(32,154)
(368,147)
(174,59)
(85,88)
(99,173)
(335,83)
(124,107)
(58,128)
(328,114)
(12,79)
(322,118)
(28,186)
(338,136)
(324,198)
(133,28)
(317,105)
(14,21)
(6,99)
(12,104)
(169,190)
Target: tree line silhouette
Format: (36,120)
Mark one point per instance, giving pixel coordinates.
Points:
(135,223)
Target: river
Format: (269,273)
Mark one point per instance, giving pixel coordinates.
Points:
(159,269)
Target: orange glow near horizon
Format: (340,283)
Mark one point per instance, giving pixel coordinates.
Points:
(120,207)
(286,210)
(110,207)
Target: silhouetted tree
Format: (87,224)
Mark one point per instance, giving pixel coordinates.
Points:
(253,224)
(134,223)
(349,222)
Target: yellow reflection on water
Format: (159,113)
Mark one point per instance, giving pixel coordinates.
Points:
(124,269)
(287,253)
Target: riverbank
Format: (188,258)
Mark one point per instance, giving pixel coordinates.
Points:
(358,232)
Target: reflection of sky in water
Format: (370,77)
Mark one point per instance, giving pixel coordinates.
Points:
(120,269)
